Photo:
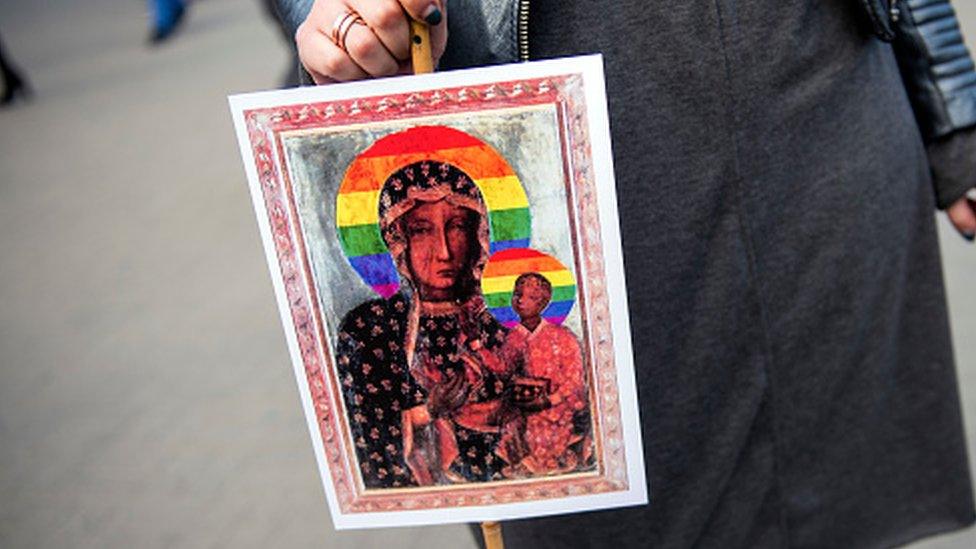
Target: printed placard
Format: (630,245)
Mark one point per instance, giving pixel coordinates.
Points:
(446,257)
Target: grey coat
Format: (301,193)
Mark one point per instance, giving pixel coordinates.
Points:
(794,367)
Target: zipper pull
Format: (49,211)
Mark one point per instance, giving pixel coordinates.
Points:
(895,12)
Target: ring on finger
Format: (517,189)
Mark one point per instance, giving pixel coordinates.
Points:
(342,25)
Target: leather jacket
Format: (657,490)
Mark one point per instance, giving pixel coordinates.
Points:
(936,66)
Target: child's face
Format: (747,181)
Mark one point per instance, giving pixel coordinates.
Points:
(530,298)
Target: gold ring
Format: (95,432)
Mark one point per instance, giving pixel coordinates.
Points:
(341,27)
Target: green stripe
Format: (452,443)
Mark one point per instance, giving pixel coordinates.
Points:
(362,240)
(510,224)
(504,299)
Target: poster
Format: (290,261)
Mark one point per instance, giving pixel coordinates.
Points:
(446,258)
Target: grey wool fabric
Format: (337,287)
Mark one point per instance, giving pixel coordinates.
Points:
(795,371)
(791,343)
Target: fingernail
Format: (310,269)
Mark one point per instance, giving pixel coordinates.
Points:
(432,15)
(969,236)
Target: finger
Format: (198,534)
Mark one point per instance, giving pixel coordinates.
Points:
(323,59)
(387,20)
(438,36)
(434,13)
(428,11)
(962,214)
(366,49)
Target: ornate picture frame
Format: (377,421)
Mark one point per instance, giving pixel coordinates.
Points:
(439,396)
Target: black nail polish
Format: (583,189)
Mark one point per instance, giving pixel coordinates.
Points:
(434,17)
(969,236)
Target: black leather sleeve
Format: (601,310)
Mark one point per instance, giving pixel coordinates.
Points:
(940,79)
(936,67)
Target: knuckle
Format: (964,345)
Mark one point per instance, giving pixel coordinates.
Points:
(388,17)
(362,49)
(333,65)
(414,6)
(388,68)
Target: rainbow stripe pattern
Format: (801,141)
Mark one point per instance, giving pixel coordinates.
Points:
(505,266)
(357,203)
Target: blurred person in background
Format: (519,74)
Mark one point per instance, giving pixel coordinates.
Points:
(777,166)
(167,16)
(14,84)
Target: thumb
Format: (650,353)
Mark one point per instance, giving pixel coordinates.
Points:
(434,13)
(962,214)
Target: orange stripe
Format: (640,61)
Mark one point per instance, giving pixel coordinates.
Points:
(499,284)
(519,266)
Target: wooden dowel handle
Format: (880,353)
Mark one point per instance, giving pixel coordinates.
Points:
(492,531)
(420,54)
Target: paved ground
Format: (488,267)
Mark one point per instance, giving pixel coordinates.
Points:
(146,398)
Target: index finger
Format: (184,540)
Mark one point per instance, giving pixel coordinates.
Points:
(962,214)
(388,22)
(428,11)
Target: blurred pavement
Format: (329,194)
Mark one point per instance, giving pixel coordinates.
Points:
(146,395)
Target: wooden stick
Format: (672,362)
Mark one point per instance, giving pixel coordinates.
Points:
(423,63)
(420,54)
(492,531)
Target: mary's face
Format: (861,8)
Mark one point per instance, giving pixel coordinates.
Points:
(440,242)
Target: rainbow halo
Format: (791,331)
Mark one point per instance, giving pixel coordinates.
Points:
(505,266)
(357,203)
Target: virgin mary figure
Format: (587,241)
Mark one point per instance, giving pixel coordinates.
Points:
(420,402)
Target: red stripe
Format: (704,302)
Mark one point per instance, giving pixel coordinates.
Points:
(421,139)
(515,253)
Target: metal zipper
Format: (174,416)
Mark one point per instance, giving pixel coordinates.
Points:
(522,30)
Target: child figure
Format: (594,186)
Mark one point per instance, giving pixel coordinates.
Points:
(548,385)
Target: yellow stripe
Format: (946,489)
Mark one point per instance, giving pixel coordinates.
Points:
(498,284)
(358,208)
(502,193)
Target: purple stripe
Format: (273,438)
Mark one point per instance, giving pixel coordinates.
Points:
(556,313)
(386,290)
(554,320)
(376,269)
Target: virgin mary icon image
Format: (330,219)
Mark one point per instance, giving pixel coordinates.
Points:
(447,264)
(427,374)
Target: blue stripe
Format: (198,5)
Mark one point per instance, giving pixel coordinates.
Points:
(375,269)
(558,308)
(508,244)
(504,314)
